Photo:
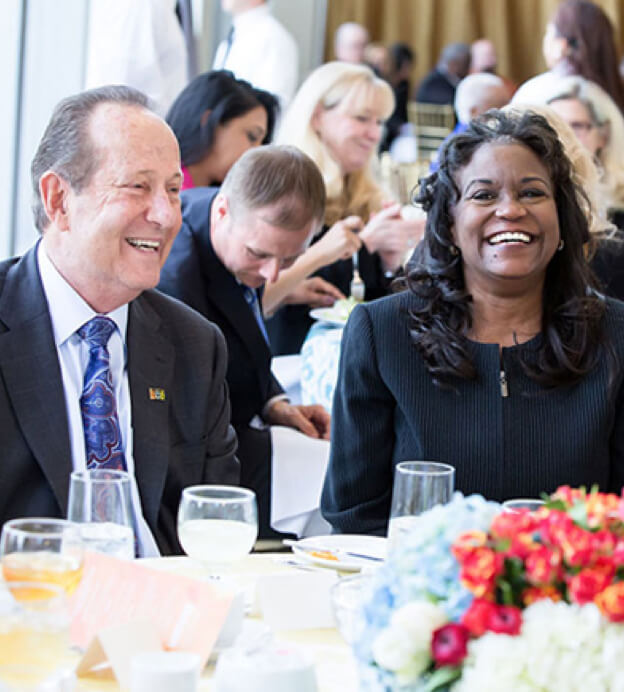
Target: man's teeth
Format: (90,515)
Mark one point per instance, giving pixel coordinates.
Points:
(510,237)
(144,244)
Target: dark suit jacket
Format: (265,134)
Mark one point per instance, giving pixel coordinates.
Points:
(181,441)
(194,274)
(436,88)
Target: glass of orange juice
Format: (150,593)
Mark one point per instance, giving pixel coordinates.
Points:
(34,634)
(42,550)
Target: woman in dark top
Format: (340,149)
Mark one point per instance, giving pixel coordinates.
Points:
(216,118)
(500,358)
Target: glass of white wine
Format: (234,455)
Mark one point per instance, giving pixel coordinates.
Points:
(42,550)
(100,504)
(217,524)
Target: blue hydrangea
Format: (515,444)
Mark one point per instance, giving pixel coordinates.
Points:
(422,569)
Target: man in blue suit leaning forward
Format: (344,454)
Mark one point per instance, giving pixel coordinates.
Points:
(96,369)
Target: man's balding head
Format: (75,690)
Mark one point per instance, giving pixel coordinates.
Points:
(350,40)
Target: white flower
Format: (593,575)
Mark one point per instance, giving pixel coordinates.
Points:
(404,646)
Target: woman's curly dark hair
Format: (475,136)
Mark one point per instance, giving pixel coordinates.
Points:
(572,325)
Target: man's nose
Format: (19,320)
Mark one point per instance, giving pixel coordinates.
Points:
(270,269)
(163,210)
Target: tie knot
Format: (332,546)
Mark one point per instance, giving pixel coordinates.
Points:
(250,295)
(97,331)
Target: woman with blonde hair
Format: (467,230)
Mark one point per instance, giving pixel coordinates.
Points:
(337,118)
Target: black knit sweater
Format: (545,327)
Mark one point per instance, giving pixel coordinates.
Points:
(387,410)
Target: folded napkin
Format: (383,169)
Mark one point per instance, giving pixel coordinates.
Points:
(299,465)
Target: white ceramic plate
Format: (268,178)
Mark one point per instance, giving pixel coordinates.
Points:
(375,546)
(329,316)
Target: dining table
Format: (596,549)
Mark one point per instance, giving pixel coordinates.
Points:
(334,663)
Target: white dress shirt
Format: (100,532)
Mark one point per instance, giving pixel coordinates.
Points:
(68,312)
(262,52)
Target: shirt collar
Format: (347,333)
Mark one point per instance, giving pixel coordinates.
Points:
(68,310)
(250,17)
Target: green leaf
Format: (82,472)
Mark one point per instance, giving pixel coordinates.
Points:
(441,677)
(578,512)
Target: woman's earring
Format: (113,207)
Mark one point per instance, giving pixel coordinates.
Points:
(454,250)
(560,246)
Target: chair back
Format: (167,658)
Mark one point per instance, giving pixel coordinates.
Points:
(432,123)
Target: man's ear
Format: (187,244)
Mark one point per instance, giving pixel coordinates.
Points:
(221,206)
(54,193)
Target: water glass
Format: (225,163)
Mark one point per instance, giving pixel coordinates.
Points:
(522,503)
(100,504)
(42,550)
(217,524)
(34,634)
(418,486)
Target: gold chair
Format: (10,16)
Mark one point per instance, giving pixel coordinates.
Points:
(432,123)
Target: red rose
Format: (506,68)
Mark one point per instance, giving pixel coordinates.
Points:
(542,565)
(480,567)
(505,620)
(449,644)
(588,583)
(476,618)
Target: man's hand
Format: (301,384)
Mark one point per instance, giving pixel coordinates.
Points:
(315,292)
(313,421)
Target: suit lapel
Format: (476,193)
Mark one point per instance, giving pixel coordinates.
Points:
(32,374)
(150,366)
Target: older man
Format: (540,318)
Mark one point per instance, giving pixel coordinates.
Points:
(232,242)
(350,41)
(97,370)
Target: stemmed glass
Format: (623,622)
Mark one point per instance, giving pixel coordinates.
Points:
(522,503)
(42,550)
(217,524)
(418,486)
(100,504)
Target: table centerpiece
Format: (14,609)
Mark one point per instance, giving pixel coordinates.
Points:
(477,600)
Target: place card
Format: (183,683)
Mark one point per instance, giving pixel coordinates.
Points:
(297,600)
(183,613)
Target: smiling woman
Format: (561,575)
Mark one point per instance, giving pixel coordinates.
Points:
(500,358)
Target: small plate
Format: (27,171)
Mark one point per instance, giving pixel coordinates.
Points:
(375,546)
(328,316)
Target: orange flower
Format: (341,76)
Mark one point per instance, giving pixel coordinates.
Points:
(542,566)
(510,524)
(537,593)
(467,542)
(611,602)
(480,567)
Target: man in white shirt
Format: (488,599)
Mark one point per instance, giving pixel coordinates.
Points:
(259,49)
(106,180)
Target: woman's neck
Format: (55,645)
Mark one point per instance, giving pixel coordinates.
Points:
(506,321)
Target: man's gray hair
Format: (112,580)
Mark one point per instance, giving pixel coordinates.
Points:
(66,147)
(277,174)
(472,90)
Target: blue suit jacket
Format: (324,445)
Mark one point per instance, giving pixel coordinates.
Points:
(181,441)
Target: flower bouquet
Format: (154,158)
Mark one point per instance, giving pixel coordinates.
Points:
(480,600)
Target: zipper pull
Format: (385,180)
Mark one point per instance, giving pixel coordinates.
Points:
(503,385)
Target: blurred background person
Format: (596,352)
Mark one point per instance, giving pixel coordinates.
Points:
(259,49)
(476,94)
(350,40)
(402,60)
(579,40)
(215,119)
(439,85)
(500,331)
(377,57)
(139,44)
(336,118)
(483,58)
(598,124)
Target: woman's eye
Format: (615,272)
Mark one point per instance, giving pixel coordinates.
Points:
(533,193)
(483,195)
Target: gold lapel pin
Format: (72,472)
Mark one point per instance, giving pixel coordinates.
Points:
(156,394)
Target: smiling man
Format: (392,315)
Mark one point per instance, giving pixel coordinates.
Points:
(97,370)
(232,242)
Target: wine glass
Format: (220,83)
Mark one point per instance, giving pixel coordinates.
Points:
(418,486)
(522,503)
(42,550)
(34,634)
(217,524)
(100,504)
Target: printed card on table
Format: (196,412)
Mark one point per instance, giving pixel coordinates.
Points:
(186,614)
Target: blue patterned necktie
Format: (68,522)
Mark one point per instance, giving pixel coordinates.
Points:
(252,300)
(103,445)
